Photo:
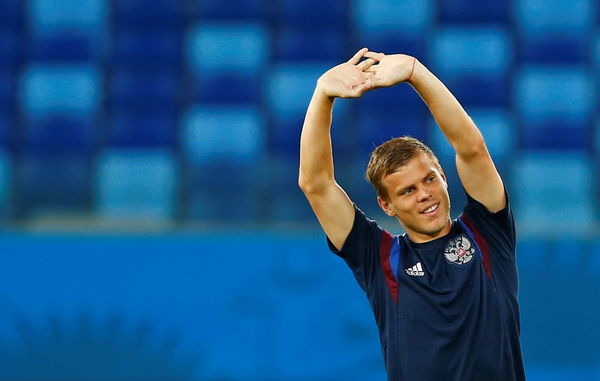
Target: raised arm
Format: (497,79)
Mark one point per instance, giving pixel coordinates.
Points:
(475,167)
(330,203)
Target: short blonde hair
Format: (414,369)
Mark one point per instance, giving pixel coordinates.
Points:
(388,157)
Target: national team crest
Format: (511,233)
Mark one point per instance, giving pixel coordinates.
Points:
(459,250)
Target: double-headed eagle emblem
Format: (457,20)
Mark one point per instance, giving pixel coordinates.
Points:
(459,250)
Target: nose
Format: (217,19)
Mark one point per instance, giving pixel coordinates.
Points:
(424,194)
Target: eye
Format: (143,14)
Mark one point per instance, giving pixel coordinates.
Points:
(430,179)
(406,191)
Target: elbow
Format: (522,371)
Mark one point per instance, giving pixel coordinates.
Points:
(311,186)
(307,187)
(304,184)
(473,149)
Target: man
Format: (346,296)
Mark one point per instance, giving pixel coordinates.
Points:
(444,294)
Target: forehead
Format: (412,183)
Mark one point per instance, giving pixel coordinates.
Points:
(411,172)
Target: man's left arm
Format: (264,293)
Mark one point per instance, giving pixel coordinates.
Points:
(475,167)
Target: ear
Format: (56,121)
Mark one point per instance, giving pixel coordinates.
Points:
(385,206)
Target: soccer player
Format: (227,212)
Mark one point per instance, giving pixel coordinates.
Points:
(444,294)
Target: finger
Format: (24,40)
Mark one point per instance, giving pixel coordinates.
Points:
(354,60)
(361,89)
(366,64)
(372,69)
(374,55)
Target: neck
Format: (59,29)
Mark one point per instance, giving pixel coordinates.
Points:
(422,237)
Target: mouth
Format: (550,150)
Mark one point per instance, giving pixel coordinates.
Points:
(431,210)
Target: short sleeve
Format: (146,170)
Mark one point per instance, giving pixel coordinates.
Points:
(361,248)
(497,228)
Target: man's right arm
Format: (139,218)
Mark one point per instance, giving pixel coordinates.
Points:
(331,204)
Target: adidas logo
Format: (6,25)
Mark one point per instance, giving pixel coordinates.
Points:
(416,270)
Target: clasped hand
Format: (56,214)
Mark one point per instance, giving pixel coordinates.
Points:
(353,78)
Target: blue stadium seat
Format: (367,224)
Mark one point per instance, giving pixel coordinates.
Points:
(284,138)
(539,19)
(474,63)
(555,50)
(415,46)
(238,88)
(58,134)
(151,129)
(393,17)
(499,130)
(401,98)
(143,109)
(377,127)
(48,89)
(136,184)
(231,10)
(64,47)
(63,30)
(243,46)
(234,194)
(141,93)
(459,50)
(225,133)
(288,203)
(88,17)
(554,193)
(6,184)
(7,129)
(7,90)
(11,15)
(314,44)
(481,90)
(555,104)
(596,137)
(52,183)
(288,92)
(595,52)
(143,14)
(333,13)
(290,87)
(474,12)
(438,142)
(557,134)
(556,32)
(148,50)
(11,49)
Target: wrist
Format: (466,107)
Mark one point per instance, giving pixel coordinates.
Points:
(321,92)
(415,71)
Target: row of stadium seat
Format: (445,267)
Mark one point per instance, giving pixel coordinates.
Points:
(555,106)
(210,92)
(154,184)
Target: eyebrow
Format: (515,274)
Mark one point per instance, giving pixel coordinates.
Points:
(432,172)
(401,190)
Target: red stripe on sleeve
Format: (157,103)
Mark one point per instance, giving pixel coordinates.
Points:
(384,258)
(482,245)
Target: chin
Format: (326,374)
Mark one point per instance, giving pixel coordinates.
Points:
(437,229)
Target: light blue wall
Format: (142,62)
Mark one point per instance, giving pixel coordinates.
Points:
(246,306)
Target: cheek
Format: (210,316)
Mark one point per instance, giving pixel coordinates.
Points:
(403,206)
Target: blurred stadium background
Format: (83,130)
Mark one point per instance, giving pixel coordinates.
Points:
(152,225)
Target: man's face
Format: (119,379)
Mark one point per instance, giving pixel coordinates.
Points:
(418,197)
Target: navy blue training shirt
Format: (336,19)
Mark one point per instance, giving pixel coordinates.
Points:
(446,309)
